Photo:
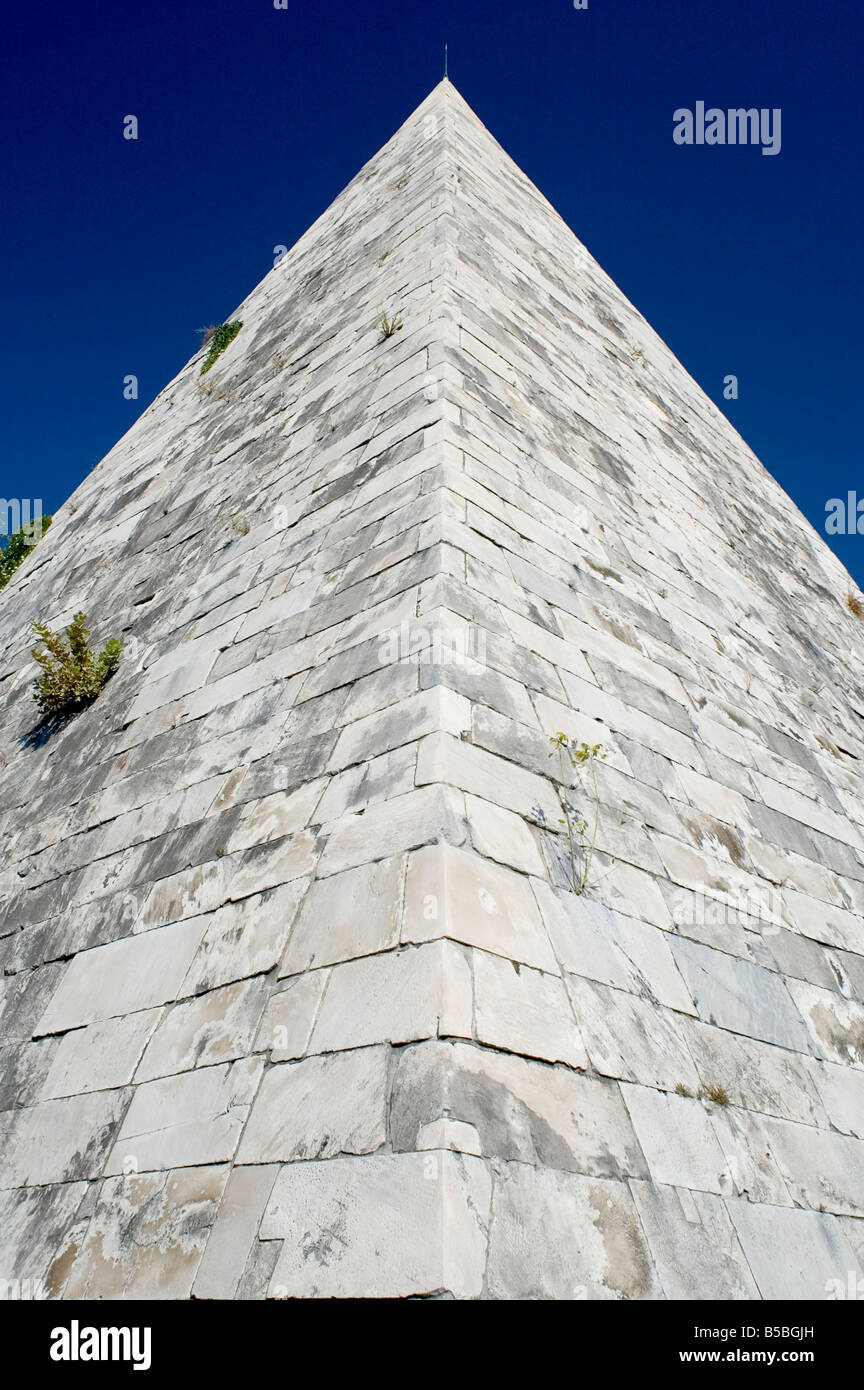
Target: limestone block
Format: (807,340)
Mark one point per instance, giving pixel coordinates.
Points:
(276,816)
(465,668)
(756,1075)
(192,1118)
(631,1039)
(454,893)
(502,836)
(714,798)
(792,1254)
(841,1089)
(421,714)
(798,956)
(270,865)
(181,681)
(219,1026)
(518,1109)
(621,718)
(234,1232)
(835,1024)
(147,1235)
(823,1170)
(848,969)
(634,893)
(557,1235)
(395,997)
(81,1130)
(693,1243)
(676,1136)
(190,893)
(33,1224)
(705,872)
(319,1107)
(352,791)
(287,1023)
(524,1010)
(591,940)
(791,803)
(427,815)
(354,913)
(742,997)
(445,759)
(100,1057)
(23,1070)
(244,938)
(824,922)
(388,1226)
(124,976)
(752,1169)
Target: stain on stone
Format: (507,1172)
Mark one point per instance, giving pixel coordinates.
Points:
(846,1041)
(628,1263)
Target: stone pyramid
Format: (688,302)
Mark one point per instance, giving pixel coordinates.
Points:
(299,996)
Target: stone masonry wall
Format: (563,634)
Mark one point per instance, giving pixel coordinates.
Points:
(296,998)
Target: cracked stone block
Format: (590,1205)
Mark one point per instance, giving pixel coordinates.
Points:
(502,836)
(562,1236)
(147,1235)
(427,815)
(522,1110)
(195,1117)
(630,1038)
(813,1244)
(123,977)
(396,997)
(319,1107)
(33,1224)
(756,1075)
(523,1010)
(835,1025)
(355,913)
(219,1026)
(459,764)
(244,938)
(823,1170)
(81,1129)
(693,1243)
(454,893)
(676,1136)
(841,1089)
(388,1226)
(234,1232)
(742,997)
(101,1056)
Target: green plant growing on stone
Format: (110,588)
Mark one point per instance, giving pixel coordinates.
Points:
(217,338)
(72,674)
(389,326)
(19,545)
(582,758)
(854,604)
(681,1090)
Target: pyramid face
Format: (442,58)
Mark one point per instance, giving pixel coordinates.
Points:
(299,994)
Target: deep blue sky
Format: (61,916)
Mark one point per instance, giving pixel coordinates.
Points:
(253,119)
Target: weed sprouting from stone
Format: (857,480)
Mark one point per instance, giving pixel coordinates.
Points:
(718,1094)
(582,757)
(217,338)
(389,326)
(19,545)
(72,674)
